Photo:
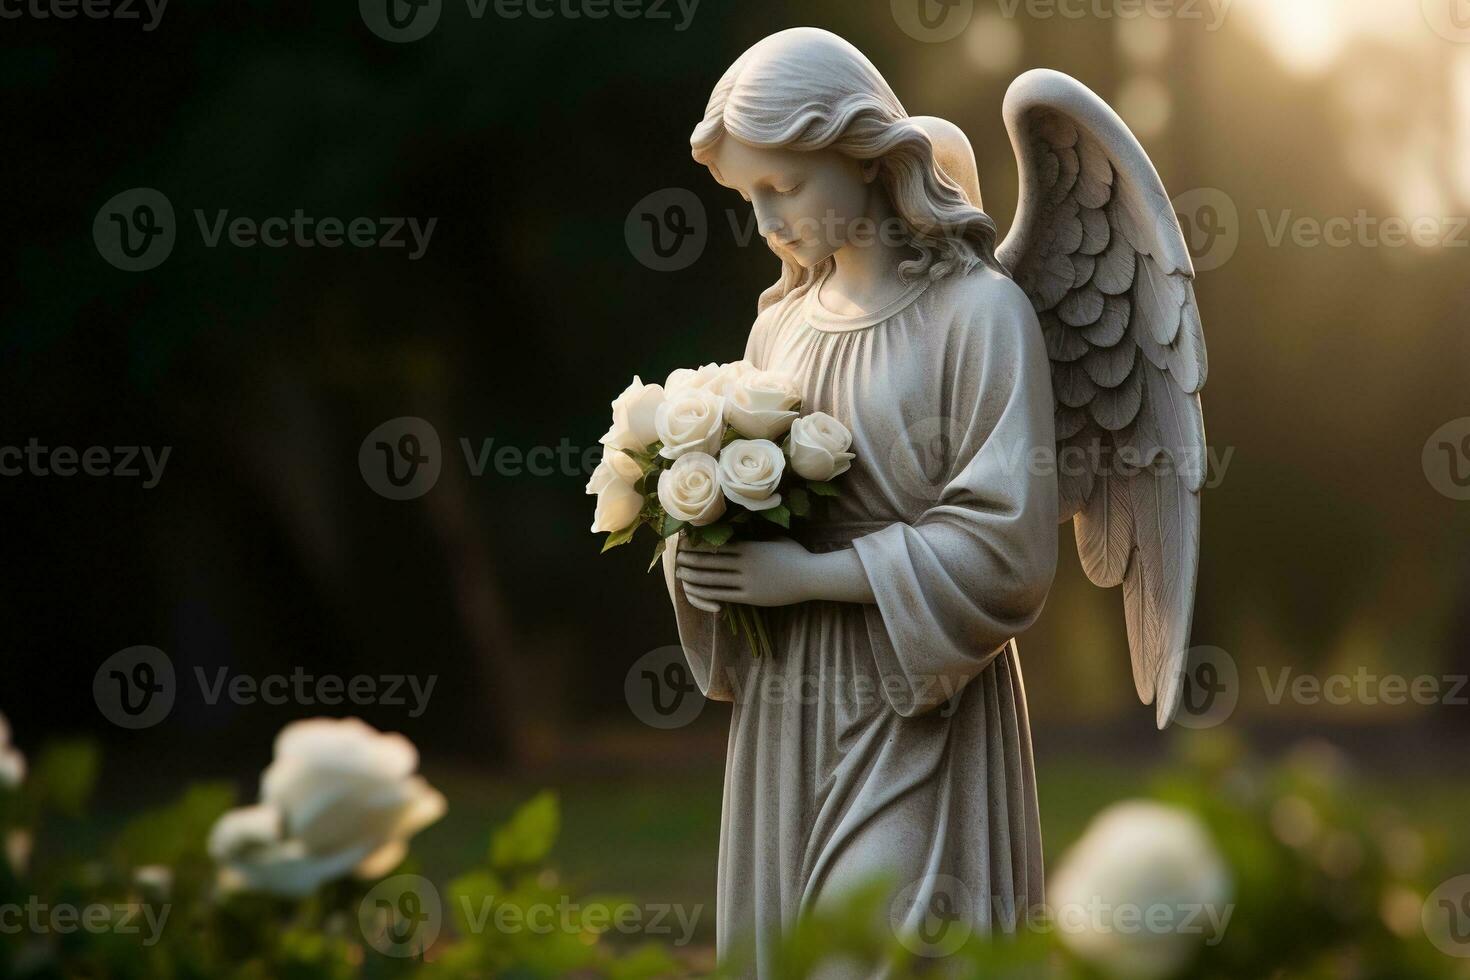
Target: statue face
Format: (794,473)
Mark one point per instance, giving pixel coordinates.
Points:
(808,205)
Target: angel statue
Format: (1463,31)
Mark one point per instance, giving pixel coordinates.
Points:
(992,392)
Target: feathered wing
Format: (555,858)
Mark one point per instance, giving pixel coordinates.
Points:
(1098,249)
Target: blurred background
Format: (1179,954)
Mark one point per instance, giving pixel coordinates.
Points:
(1319,155)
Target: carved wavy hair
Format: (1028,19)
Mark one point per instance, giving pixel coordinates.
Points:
(807,89)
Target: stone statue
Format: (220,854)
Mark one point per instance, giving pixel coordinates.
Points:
(993,391)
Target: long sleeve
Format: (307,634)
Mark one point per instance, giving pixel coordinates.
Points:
(712,651)
(953,586)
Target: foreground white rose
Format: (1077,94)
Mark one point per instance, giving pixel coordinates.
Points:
(633,412)
(12,763)
(818,448)
(615,465)
(339,798)
(761,404)
(1142,890)
(690,489)
(750,471)
(691,420)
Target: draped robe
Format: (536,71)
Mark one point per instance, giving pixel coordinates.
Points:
(891,738)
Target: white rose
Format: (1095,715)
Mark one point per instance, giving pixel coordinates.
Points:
(633,411)
(615,465)
(761,403)
(690,489)
(750,471)
(618,505)
(819,446)
(692,420)
(1140,856)
(339,798)
(681,379)
(716,378)
(12,763)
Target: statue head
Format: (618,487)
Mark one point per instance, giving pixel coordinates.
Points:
(806,129)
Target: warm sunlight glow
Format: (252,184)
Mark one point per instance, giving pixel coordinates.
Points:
(1460,155)
(1144,40)
(1145,105)
(1304,35)
(1309,36)
(993,44)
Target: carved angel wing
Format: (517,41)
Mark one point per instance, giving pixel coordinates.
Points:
(1098,249)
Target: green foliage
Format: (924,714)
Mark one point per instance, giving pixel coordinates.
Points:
(528,837)
(64,776)
(1312,856)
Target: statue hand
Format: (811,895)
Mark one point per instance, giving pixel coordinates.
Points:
(755,573)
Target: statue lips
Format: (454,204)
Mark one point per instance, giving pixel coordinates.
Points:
(786,249)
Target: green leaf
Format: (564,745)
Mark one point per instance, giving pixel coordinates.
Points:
(717,534)
(620,537)
(779,514)
(472,895)
(65,773)
(658,552)
(822,488)
(799,502)
(672,526)
(171,834)
(527,838)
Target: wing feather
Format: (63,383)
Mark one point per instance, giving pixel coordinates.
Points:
(1098,249)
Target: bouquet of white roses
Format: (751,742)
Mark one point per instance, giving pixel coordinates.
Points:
(699,456)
